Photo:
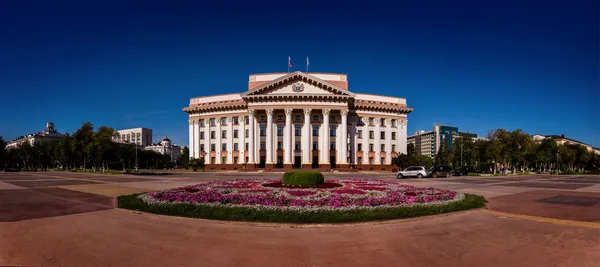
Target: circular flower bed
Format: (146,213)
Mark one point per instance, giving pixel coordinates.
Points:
(337,200)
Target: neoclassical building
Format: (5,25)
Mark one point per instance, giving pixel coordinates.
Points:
(297,120)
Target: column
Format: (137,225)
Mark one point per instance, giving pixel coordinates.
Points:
(218,142)
(377,142)
(306,145)
(192,138)
(197,138)
(269,142)
(344,159)
(287,137)
(242,139)
(353,141)
(388,141)
(229,140)
(365,139)
(338,142)
(325,139)
(207,141)
(401,135)
(251,139)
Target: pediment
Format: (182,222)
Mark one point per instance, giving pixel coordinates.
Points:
(298,83)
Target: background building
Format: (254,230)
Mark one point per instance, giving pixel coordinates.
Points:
(561,140)
(297,120)
(166,148)
(428,143)
(49,134)
(140,136)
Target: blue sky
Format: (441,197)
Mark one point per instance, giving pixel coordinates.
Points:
(478,65)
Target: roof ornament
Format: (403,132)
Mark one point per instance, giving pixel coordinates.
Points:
(298,87)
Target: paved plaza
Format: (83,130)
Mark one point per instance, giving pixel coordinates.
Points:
(70,219)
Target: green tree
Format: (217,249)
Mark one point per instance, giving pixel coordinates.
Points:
(3,154)
(83,143)
(546,153)
(184,158)
(411,150)
(444,154)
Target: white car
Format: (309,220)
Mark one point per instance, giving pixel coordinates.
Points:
(416,171)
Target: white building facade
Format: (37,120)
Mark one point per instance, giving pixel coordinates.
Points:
(297,120)
(140,136)
(49,134)
(165,147)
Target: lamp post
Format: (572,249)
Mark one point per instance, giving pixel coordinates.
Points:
(461,151)
(136,155)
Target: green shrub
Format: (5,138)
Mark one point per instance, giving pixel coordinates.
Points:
(472,174)
(303,178)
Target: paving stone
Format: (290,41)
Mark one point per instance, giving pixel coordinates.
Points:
(57,182)
(547,185)
(572,200)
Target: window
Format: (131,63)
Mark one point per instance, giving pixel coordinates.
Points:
(202,148)
(393,135)
(224,134)
(212,160)
(394,122)
(371,161)
(212,147)
(315,145)
(236,120)
(279,130)
(235,147)
(332,118)
(315,130)
(371,135)
(223,159)
(297,145)
(297,117)
(381,161)
(235,133)
(279,145)
(263,118)
(201,135)
(262,145)
(212,134)
(382,148)
(359,133)
(382,135)
(371,147)
(223,147)
(235,160)
(202,123)
(381,121)
(298,130)
(212,122)
(393,148)
(360,147)
(332,130)
(370,121)
(315,117)
(247,120)
(247,133)
(332,146)
(279,118)
(263,130)
(247,147)
(359,160)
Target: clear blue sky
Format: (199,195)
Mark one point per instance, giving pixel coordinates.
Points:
(477,65)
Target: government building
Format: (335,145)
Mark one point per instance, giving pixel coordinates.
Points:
(297,120)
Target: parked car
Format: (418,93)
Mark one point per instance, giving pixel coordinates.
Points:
(414,171)
(464,170)
(440,171)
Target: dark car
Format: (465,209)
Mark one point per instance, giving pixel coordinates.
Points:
(440,171)
(464,170)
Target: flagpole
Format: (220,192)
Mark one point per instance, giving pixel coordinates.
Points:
(307,64)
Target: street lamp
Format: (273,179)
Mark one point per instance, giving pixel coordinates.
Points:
(136,155)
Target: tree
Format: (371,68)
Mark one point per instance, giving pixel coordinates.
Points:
(197,163)
(444,155)
(83,142)
(411,150)
(184,158)
(464,148)
(3,154)
(546,153)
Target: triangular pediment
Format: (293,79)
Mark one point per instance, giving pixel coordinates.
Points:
(298,83)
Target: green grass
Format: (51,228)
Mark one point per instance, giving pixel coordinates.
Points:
(132,202)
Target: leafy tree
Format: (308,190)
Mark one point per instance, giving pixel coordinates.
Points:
(184,158)
(411,149)
(83,142)
(444,155)
(546,153)
(3,154)
(197,163)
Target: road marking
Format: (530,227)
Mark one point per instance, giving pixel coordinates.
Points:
(543,219)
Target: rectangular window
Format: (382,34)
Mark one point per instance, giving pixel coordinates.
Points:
(332,131)
(279,145)
(279,118)
(370,121)
(315,117)
(263,118)
(359,160)
(315,130)
(359,133)
(201,135)
(224,134)
(263,130)
(202,148)
(297,145)
(371,161)
(360,147)
(212,160)
(315,145)
(381,161)
(235,146)
(202,123)
(332,146)
(235,160)
(246,146)
(223,147)
(236,120)
(212,147)
(297,117)
(382,135)
(223,121)
(235,133)
(262,145)
(371,135)
(279,130)
(247,120)
(212,122)
(223,159)
(247,133)
(212,134)
(371,147)
(393,148)
(393,135)
(382,148)
(298,130)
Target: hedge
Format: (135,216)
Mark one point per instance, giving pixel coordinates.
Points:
(303,178)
